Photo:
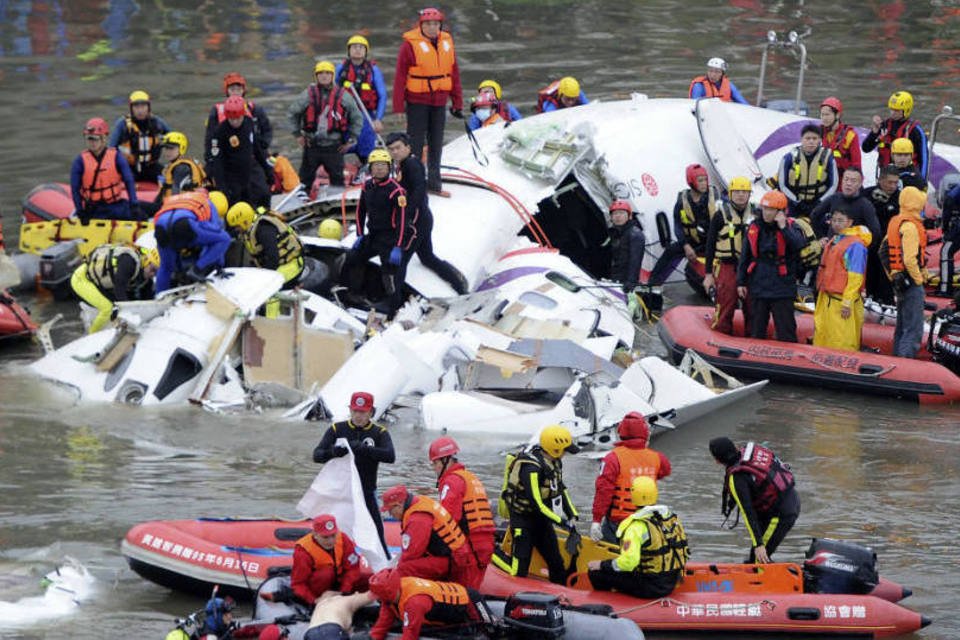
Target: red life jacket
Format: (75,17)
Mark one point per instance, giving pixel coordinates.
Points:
(549,94)
(101,180)
(753,234)
(904,130)
(839,141)
(711,90)
(336,115)
(772,477)
(222,115)
(362,82)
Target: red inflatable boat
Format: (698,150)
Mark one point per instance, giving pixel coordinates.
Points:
(14,320)
(194,555)
(52,201)
(873,372)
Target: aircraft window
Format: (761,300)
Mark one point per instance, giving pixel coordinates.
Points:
(182,367)
(537,299)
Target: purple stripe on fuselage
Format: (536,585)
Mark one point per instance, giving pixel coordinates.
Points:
(502,278)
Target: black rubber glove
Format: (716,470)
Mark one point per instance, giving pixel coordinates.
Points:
(339,451)
(456,113)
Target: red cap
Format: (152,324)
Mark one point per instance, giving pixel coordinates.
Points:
(270,632)
(634,425)
(325,524)
(385,584)
(361,401)
(394,495)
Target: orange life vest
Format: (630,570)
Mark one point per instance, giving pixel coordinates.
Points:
(222,114)
(895,242)
(433,69)
(710,89)
(336,115)
(832,276)
(477,515)
(362,82)
(193,201)
(322,557)
(450,600)
(101,180)
(633,464)
(446,531)
(494,118)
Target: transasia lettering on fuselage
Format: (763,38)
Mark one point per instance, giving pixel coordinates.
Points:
(763,351)
(715,586)
(195,555)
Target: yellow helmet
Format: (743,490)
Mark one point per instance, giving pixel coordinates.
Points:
(149,257)
(496,88)
(901,101)
(643,491)
(739,183)
(241,215)
(175,138)
(219,200)
(324,65)
(330,229)
(569,88)
(902,145)
(139,96)
(357,39)
(556,439)
(379,155)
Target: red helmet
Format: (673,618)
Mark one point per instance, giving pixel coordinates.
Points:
(234,107)
(634,425)
(96,127)
(385,584)
(361,401)
(431,13)
(694,171)
(443,447)
(234,78)
(482,100)
(833,103)
(394,496)
(621,205)
(774,199)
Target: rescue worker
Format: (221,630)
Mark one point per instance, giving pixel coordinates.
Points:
(950,219)
(885,199)
(384,229)
(366,78)
(906,247)
(137,135)
(499,109)
(761,487)
(536,499)
(838,315)
(901,154)
(237,164)
(234,84)
(190,237)
(561,94)
(767,271)
(114,273)
(464,497)
(692,213)
(839,137)
(180,173)
(808,174)
(722,252)
(101,182)
(218,618)
(416,601)
(433,545)
(371,445)
(898,125)
(715,84)
(269,241)
(627,246)
(653,548)
(427,77)
(326,122)
(413,178)
(629,459)
(327,559)
(850,199)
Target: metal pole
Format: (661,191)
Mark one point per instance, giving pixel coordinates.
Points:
(366,114)
(763,73)
(803,66)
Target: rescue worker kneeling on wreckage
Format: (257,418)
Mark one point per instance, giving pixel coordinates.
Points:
(535,499)
(114,273)
(653,548)
(269,241)
(190,237)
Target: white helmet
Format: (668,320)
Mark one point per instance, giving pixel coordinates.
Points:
(717,63)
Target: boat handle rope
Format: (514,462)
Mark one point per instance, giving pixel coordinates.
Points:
(243,571)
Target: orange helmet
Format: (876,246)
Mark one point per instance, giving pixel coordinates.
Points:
(621,205)
(96,127)
(431,13)
(833,103)
(234,78)
(774,199)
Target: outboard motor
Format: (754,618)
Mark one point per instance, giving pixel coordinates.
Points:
(834,566)
(530,615)
(944,340)
(57,264)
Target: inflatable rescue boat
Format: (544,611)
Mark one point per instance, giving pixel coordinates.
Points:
(871,370)
(53,201)
(15,321)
